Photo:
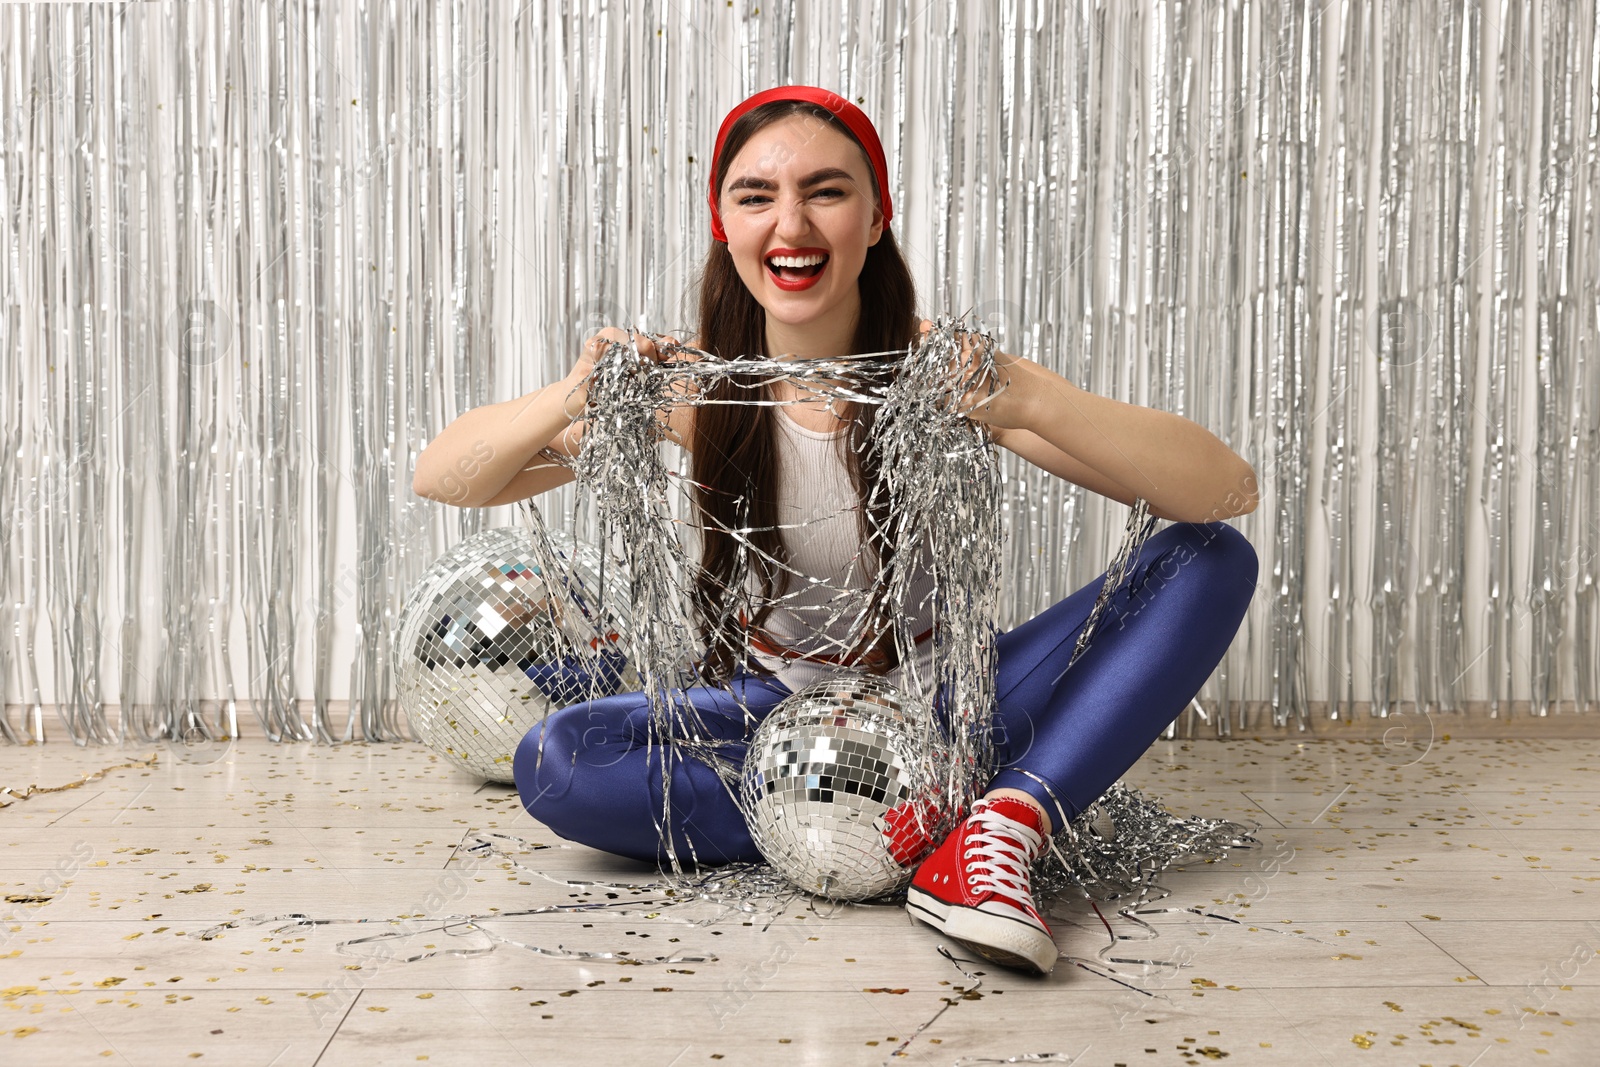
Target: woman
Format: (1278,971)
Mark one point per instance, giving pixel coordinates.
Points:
(803,265)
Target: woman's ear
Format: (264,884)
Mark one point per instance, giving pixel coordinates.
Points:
(877,226)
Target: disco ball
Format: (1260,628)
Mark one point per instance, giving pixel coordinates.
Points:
(822,771)
(489,644)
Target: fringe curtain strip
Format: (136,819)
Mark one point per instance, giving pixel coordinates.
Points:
(252,258)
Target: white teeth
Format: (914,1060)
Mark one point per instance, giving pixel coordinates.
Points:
(796,261)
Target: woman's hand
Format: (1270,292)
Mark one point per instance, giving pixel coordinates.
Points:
(576,383)
(998,399)
(494,454)
(1119,450)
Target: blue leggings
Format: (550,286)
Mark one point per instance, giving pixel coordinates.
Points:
(1061,736)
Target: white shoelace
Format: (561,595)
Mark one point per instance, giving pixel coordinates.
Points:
(1004,851)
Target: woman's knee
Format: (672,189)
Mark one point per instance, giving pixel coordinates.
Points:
(1214,549)
(1204,567)
(1231,550)
(544,763)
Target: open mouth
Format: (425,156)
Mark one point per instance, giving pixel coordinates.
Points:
(797,270)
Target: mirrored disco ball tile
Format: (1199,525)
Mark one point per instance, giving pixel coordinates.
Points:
(821,770)
(488,645)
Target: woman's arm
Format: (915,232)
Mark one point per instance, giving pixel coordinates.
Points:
(492,454)
(1120,450)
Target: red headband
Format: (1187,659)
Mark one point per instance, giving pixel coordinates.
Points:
(839,107)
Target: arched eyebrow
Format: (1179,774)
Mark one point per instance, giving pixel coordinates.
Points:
(827,174)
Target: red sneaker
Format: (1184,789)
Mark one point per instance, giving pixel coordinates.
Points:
(976,888)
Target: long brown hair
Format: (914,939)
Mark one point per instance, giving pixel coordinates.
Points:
(735,454)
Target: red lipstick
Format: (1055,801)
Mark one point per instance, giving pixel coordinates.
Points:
(794,282)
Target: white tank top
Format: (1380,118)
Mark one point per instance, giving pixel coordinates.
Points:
(822,611)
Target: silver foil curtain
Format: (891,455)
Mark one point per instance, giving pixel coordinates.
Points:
(253,256)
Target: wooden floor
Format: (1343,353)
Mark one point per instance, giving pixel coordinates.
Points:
(1441,908)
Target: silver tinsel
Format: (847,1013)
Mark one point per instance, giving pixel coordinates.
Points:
(254,259)
(940,478)
(942,486)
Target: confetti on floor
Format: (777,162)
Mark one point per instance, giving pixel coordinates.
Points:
(1433,913)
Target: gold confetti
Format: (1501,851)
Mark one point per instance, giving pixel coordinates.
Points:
(93,776)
